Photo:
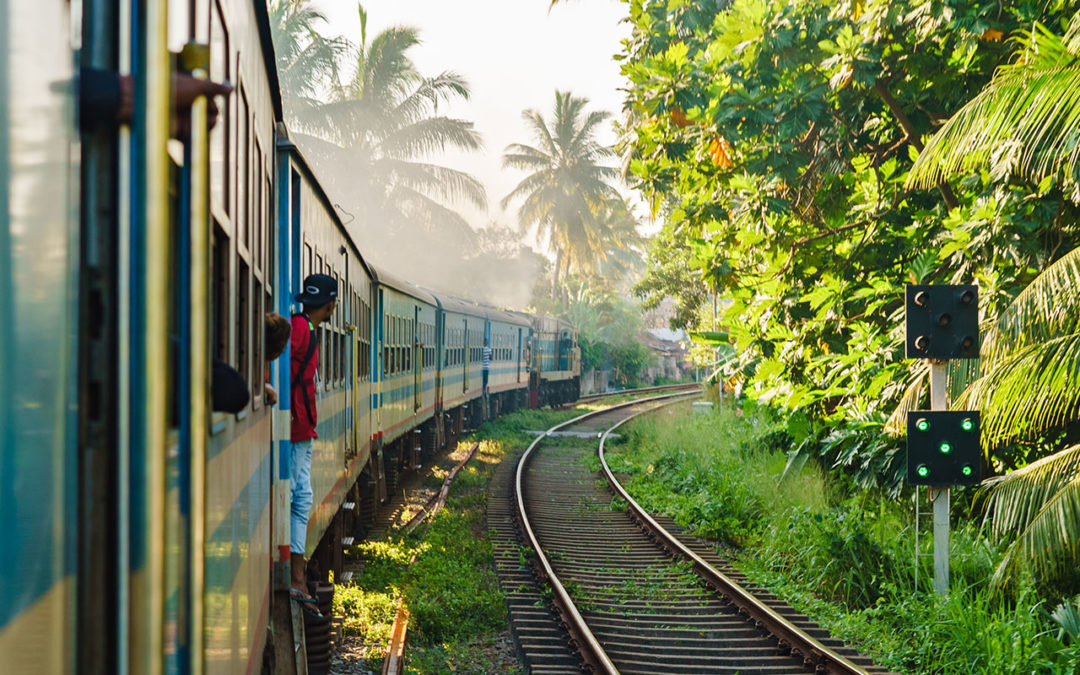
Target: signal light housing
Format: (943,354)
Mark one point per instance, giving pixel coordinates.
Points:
(941,322)
(943,448)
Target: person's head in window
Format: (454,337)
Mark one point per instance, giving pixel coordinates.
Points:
(278,330)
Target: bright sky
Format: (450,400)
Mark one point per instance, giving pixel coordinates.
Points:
(514,54)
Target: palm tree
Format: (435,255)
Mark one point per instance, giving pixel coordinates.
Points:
(621,248)
(1027,382)
(567,184)
(308,62)
(371,134)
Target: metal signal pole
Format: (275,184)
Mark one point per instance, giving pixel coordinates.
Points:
(939,400)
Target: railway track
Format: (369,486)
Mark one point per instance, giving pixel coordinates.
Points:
(629,595)
(666,388)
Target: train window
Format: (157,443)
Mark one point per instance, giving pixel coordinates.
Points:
(243,319)
(258,224)
(322,354)
(258,335)
(219,136)
(243,168)
(309,260)
(219,294)
(271,233)
(339,362)
(318,268)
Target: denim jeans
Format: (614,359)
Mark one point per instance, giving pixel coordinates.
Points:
(300,474)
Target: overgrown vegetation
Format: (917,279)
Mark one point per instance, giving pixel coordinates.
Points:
(842,554)
(456,607)
(810,158)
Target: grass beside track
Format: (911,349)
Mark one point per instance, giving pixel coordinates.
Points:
(842,557)
(457,611)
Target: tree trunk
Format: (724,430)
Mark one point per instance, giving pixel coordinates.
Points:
(555,276)
(912,136)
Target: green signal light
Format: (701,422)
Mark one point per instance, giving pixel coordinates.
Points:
(945,447)
(923,471)
(968,424)
(967,470)
(923,424)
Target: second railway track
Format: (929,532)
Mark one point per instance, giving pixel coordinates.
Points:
(631,601)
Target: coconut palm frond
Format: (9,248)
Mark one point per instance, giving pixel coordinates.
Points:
(1024,120)
(433,134)
(896,425)
(434,180)
(1015,499)
(1047,307)
(1033,392)
(1039,505)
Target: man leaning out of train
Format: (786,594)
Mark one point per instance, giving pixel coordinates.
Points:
(319,298)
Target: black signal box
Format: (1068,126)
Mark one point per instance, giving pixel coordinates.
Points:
(941,322)
(943,447)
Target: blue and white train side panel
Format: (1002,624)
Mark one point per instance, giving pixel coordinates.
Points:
(463,327)
(38,252)
(405,317)
(507,335)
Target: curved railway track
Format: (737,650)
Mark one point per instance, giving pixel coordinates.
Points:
(665,388)
(630,595)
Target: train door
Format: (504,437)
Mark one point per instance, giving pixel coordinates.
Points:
(519,356)
(417,359)
(465,358)
(348,342)
(439,350)
(377,358)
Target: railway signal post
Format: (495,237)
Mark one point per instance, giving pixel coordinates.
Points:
(942,323)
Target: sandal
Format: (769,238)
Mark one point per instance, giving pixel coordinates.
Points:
(307,603)
(300,596)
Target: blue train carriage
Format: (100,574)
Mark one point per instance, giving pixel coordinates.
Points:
(320,244)
(39,247)
(404,395)
(508,379)
(246,280)
(461,329)
(556,360)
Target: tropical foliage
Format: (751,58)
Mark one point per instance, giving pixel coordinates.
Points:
(1027,383)
(777,139)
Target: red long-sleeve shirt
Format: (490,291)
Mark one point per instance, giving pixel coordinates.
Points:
(305,415)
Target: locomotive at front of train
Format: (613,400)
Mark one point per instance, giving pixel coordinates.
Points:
(556,360)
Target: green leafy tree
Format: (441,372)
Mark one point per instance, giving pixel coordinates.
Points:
(309,63)
(776,139)
(1022,125)
(567,186)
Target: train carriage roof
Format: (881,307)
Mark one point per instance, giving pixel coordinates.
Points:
(384,278)
(452,303)
(262,16)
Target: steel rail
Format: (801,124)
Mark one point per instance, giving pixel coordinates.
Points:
(589,647)
(394,662)
(642,390)
(788,634)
